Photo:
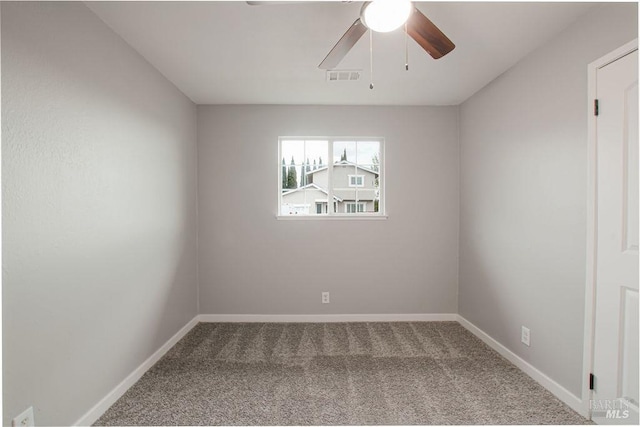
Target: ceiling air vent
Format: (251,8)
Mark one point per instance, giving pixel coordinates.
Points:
(343,75)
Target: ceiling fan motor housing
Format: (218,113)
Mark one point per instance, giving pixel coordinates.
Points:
(418,27)
(385,15)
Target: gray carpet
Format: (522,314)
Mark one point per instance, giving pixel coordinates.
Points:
(335,374)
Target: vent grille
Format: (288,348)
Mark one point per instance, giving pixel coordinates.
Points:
(343,75)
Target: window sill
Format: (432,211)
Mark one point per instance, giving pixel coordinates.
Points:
(331,217)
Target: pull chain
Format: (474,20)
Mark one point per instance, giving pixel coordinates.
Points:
(406,48)
(371,58)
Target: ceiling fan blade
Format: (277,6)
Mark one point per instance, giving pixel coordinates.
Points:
(423,31)
(344,45)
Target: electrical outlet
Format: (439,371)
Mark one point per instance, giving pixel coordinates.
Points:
(25,419)
(325,298)
(526,336)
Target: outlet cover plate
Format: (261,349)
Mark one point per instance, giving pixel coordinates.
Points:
(25,419)
(526,336)
(325,298)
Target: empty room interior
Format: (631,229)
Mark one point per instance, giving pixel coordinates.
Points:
(319,213)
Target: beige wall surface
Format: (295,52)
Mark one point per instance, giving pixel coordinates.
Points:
(253,263)
(99,209)
(523,196)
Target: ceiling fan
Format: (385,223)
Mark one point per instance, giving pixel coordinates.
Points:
(384,16)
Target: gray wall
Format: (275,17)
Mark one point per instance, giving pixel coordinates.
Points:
(252,263)
(99,208)
(523,196)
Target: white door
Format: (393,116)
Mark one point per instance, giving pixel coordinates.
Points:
(615,357)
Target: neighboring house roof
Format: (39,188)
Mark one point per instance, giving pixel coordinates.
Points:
(311,186)
(342,163)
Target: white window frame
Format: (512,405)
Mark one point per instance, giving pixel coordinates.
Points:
(331,214)
(355,178)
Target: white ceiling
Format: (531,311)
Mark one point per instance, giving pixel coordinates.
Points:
(232,53)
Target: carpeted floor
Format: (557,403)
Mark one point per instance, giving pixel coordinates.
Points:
(335,373)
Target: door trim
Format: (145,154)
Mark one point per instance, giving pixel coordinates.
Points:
(592,203)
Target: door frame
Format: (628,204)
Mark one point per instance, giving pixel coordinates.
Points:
(592,218)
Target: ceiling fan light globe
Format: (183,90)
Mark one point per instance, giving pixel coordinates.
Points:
(385,15)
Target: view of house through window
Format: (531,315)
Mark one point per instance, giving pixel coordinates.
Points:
(346,172)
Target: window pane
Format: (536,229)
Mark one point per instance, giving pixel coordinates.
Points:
(300,195)
(368,153)
(355,181)
(344,188)
(368,164)
(292,150)
(316,154)
(344,151)
(316,150)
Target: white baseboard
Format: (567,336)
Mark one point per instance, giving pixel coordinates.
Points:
(101,407)
(560,392)
(313,318)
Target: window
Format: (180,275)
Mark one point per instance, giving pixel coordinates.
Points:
(356,180)
(355,207)
(330,177)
